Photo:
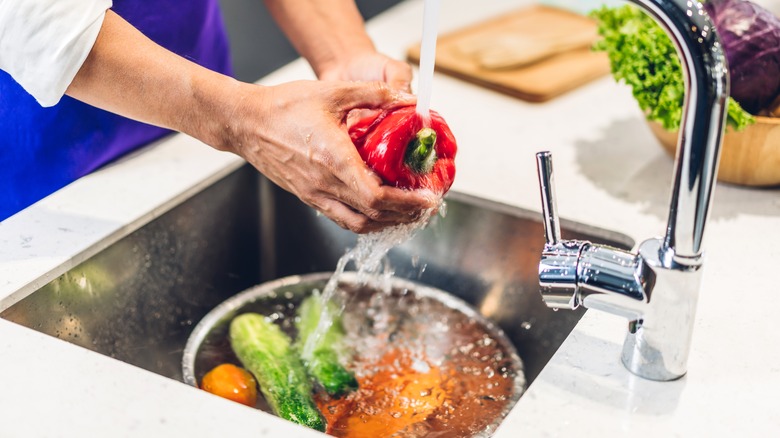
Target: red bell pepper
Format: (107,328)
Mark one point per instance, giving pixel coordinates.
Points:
(406,150)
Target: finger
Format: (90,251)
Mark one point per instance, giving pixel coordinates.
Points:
(395,205)
(365,191)
(388,198)
(392,217)
(347,218)
(375,94)
(360,114)
(367,218)
(369,193)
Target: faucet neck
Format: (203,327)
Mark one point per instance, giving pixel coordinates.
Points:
(707,87)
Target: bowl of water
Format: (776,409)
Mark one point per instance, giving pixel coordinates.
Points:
(453,372)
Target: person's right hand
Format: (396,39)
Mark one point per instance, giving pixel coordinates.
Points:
(296,135)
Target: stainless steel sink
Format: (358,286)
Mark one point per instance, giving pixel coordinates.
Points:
(139,299)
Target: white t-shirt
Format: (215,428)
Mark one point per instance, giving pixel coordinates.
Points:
(43,43)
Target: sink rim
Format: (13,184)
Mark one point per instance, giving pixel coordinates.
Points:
(567,225)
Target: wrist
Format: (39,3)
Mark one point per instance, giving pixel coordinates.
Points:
(211,116)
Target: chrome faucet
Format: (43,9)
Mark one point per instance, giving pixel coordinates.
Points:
(657,289)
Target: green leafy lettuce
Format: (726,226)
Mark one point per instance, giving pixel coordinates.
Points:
(642,56)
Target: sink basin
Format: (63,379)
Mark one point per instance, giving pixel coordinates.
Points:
(140,298)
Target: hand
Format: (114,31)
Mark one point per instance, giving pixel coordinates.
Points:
(295,134)
(372,66)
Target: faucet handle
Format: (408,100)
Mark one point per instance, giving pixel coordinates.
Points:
(552,228)
(558,277)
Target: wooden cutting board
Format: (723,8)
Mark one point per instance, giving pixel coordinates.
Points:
(496,53)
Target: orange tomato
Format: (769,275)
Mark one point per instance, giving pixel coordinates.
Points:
(231,382)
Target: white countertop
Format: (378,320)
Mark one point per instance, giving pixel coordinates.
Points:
(610,173)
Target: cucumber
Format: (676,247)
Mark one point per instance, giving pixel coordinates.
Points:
(323,361)
(267,353)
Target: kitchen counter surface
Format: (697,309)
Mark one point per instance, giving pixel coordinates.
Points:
(610,173)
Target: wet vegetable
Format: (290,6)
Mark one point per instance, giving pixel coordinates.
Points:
(231,382)
(643,57)
(267,353)
(403,392)
(406,150)
(751,40)
(323,360)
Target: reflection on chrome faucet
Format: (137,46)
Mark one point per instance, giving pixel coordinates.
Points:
(657,289)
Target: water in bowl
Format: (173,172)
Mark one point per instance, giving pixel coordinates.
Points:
(428,364)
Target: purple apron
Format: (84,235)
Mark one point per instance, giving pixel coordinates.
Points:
(44,149)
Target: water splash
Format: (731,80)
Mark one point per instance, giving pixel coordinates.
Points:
(370,259)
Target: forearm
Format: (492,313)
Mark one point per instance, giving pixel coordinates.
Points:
(128,74)
(325,32)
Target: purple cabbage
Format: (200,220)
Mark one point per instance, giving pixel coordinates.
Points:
(751,40)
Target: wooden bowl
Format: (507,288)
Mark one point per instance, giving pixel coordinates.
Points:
(750,157)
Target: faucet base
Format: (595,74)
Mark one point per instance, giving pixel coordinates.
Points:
(641,360)
(657,346)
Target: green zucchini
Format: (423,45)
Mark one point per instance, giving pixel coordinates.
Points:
(267,353)
(323,361)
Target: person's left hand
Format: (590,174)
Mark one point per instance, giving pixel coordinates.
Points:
(372,66)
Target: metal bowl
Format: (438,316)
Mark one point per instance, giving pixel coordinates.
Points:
(208,344)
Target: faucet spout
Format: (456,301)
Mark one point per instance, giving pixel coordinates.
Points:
(707,88)
(657,288)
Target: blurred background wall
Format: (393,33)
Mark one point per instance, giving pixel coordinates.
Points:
(258,46)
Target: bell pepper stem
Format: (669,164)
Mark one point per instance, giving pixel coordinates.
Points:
(421,152)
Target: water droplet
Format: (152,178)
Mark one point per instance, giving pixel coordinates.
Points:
(443,209)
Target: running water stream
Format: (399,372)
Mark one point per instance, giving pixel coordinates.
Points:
(372,266)
(427,57)
(369,254)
